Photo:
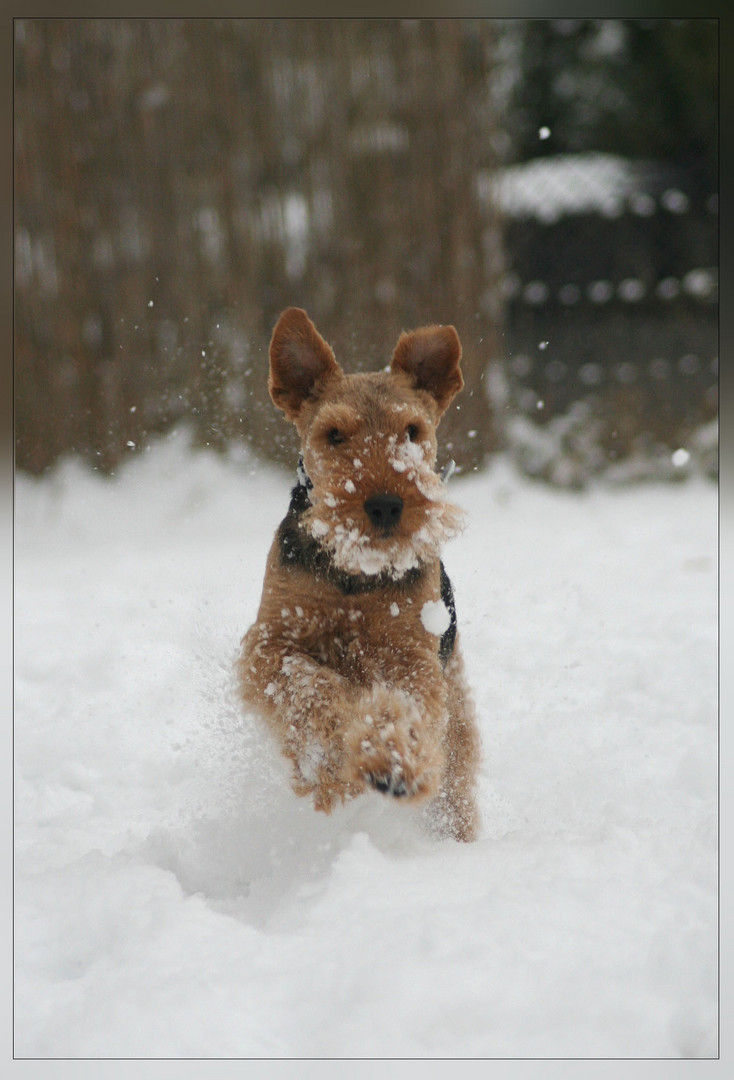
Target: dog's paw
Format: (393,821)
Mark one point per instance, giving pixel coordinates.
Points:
(389,748)
(317,771)
(390,783)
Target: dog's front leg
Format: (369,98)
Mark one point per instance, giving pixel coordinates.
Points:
(397,739)
(309,707)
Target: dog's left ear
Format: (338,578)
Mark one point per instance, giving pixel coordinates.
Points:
(430,357)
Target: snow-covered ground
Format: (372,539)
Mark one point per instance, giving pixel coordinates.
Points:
(173,898)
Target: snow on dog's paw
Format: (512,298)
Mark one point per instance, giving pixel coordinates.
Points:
(387,747)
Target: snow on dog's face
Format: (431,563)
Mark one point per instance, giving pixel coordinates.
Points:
(369,444)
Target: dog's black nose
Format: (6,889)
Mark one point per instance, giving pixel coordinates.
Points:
(384,511)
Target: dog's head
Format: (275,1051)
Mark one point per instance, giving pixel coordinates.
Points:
(369,443)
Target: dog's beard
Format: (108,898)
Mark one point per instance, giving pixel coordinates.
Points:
(358,549)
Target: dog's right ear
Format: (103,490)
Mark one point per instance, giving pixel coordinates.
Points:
(301,362)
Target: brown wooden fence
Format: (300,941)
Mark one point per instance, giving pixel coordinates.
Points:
(179,182)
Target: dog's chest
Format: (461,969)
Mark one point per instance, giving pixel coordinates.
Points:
(362,637)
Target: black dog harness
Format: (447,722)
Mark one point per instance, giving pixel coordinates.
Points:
(299,549)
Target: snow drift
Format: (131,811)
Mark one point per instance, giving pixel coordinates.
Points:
(173,898)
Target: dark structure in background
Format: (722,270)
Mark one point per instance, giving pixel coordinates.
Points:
(611,244)
(548,186)
(179,182)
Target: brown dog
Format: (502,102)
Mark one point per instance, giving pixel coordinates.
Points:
(354,660)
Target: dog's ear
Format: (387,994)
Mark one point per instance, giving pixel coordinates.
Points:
(430,357)
(301,362)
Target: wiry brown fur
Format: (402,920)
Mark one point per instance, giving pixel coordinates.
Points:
(339,661)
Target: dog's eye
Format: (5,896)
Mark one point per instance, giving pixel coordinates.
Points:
(412,432)
(335,437)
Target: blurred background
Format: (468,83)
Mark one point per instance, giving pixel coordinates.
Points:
(549,186)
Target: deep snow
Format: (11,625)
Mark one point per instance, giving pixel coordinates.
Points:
(173,898)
